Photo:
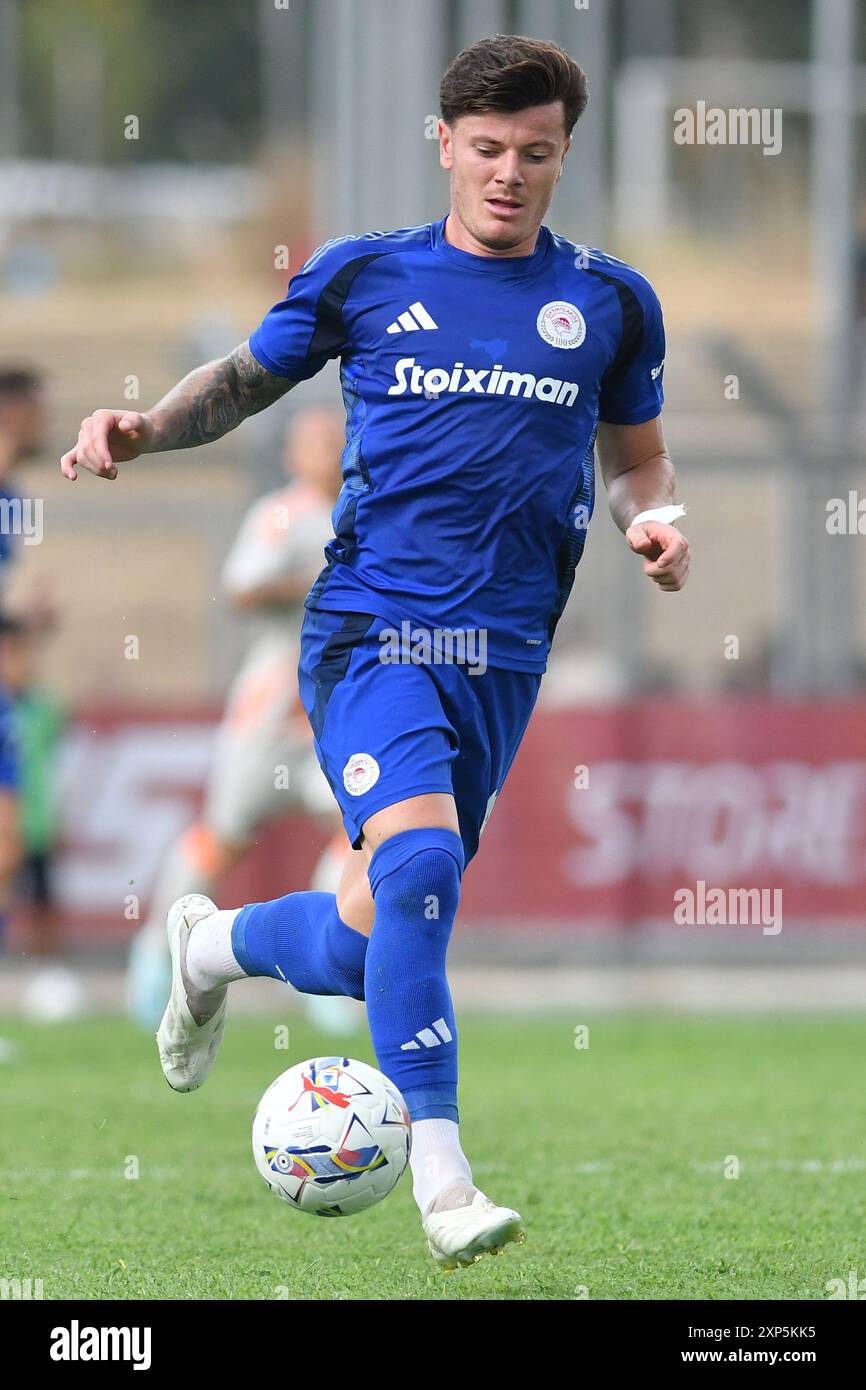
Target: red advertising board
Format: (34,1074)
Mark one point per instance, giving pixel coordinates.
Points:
(607,813)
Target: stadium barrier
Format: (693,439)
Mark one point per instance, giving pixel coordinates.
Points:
(611,817)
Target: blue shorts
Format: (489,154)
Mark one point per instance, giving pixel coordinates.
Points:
(388,730)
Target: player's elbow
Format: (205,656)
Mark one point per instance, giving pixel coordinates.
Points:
(242,600)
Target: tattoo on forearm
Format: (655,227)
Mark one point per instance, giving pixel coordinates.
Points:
(214,399)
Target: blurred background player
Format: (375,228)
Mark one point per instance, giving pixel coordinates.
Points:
(30,717)
(263,763)
(10,839)
(37,716)
(22,436)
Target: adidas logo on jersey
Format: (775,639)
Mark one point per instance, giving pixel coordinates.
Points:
(428,1038)
(484,381)
(415,317)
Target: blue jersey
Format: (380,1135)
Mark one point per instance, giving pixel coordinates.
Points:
(9,541)
(473,388)
(9,750)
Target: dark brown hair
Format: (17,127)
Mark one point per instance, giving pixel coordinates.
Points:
(510,72)
(18,382)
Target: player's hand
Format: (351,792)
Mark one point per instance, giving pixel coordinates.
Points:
(106,438)
(665,551)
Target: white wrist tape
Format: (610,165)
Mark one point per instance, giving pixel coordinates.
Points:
(666,515)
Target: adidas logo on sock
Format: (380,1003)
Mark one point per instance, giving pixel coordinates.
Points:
(428,1037)
(406,323)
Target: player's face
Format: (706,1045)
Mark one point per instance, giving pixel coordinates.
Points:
(504,167)
(23,421)
(15,661)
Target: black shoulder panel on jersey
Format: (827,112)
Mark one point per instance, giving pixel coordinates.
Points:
(330,332)
(632,321)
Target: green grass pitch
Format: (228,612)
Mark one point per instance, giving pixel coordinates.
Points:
(616,1154)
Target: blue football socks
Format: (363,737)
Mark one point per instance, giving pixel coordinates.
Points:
(415,878)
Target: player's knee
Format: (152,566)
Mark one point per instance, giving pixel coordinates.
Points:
(426,889)
(416,876)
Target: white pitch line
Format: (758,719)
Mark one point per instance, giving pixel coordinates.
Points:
(790,1165)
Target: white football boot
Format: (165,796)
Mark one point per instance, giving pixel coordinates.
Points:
(461,1234)
(192,1025)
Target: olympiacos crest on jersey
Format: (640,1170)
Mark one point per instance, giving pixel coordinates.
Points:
(360,774)
(561,324)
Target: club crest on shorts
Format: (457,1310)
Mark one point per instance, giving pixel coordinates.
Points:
(561,324)
(360,774)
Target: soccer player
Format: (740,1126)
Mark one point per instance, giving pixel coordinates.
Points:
(10,824)
(483,359)
(28,719)
(22,436)
(264,764)
(38,718)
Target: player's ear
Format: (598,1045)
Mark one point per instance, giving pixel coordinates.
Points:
(446,145)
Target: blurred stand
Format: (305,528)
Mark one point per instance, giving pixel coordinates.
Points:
(732,716)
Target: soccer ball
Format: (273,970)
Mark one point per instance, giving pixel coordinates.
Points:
(331,1136)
